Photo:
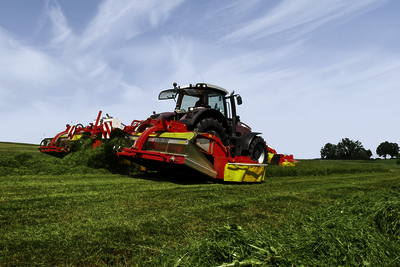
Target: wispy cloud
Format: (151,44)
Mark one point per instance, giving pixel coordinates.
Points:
(62,33)
(298,18)
(26,71)
(123,20)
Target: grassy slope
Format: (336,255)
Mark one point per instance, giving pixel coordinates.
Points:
(10,148)
(103,218)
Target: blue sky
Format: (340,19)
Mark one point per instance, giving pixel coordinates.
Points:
(310,72)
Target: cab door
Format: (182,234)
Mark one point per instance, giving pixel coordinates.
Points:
(216,101)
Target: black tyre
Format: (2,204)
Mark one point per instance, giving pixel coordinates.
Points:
(209,125)
(258,150)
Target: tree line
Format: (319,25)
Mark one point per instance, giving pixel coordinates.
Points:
(349,149)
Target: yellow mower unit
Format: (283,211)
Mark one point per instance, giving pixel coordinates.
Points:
(190,153)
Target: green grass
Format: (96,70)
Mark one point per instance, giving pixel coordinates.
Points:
(359,231)
(86,215)
(17,160)
(331,167)
(12,148)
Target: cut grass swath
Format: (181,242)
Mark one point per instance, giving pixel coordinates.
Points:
(75,213)
(360,231)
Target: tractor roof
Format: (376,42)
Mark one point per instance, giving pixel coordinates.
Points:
(204,86)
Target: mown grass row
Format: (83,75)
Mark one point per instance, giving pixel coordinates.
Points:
(117,221)
(88,216)
(83,161)
(359,231)
(86,160)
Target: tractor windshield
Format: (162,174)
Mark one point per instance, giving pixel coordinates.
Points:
(192,98)
(197,98)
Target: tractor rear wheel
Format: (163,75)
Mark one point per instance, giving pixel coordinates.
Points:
(258,150)
(209,125)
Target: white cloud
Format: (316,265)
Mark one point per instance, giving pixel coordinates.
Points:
(62,33)
(298,18)
(182,58)
(26,73)
(119,20)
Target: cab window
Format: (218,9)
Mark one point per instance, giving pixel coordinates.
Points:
(192,98)
(216,101)
(188,101)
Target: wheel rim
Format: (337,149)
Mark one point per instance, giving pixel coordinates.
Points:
(259,154)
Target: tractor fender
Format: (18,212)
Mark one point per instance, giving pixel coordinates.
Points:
(247,138)
(194,117)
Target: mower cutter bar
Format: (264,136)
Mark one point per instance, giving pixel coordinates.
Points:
(168,146)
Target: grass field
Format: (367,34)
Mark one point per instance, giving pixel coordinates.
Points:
(321,213)
(12,148)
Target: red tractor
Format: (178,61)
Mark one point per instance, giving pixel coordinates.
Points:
(203,134)
(205,107)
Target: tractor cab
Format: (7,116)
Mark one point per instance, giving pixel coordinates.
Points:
(207,108)
(202,100)
(193,97)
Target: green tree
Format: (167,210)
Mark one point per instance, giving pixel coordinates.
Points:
(329,151)
(386,148)
(363,154)
(349,149)
(369,153)
(382,149)
(394,150)
(345,149)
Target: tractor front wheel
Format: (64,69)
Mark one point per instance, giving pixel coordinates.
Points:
(209,125)
(258,150)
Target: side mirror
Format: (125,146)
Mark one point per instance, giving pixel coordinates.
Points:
(167,94)
(239,100)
